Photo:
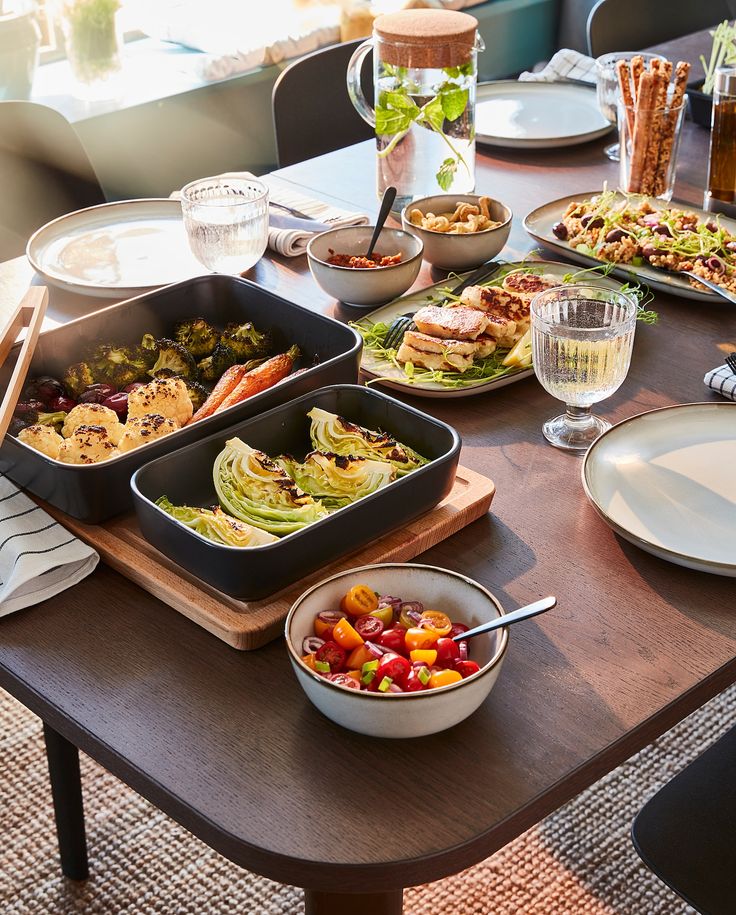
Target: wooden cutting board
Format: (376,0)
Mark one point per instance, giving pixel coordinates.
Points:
(249,624)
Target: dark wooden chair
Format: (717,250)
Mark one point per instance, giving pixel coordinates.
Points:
(312,112)
(630,25)
(686,833)
(44,172)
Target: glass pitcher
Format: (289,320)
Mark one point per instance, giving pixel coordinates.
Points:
(425,74)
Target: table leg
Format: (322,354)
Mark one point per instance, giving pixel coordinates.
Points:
(316,903)
(66,790)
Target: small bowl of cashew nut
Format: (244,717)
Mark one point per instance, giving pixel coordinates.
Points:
(459,231)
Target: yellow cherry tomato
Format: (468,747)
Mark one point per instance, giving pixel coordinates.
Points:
(345,636)
(359,600)
(419,638)
(437,622)
(358,657)
(426,655)
(309,661)
(444,678)
(355,674)
(384,614)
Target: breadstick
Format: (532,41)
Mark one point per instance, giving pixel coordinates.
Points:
(659,101)
(624,81)
(637,68)
(642,133)
(667,133)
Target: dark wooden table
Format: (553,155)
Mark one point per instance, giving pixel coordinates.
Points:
(227,744)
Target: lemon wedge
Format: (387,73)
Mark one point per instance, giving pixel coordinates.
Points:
(521,354)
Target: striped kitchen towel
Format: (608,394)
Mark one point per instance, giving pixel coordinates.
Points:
(38,557)
(564,65)
(722,380)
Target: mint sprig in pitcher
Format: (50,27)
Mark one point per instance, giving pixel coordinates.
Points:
(425,74)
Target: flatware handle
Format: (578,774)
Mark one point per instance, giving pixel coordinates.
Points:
(523,613)
(389,195)
(30,314)
(481,273)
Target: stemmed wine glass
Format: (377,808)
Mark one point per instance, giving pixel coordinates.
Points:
(608,89)
(226,220)
(582,337)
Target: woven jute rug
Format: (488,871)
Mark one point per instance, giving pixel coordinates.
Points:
(579,861)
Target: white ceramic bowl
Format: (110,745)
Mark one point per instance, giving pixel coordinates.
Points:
(458,252)
(402,714)
(370,285)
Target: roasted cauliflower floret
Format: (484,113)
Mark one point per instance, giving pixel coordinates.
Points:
(93,414)
(139,430)
(87,445)
(166,396)
(43,438)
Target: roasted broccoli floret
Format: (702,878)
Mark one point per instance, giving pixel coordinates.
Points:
(117,365)
(197,392)
(148,349)
(33,418)
(174,358)
(199,337)
(78,377)
(212,367)
(246,341)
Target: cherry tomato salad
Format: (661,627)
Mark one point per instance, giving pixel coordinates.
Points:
(383,644)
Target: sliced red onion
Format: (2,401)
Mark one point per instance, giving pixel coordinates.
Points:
(388,601)
(462,647)
(378,651)
(652,219)
(395,688)
(311,644)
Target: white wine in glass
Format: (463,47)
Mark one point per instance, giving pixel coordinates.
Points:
(582,337)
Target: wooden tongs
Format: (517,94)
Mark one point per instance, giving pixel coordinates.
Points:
(30,314)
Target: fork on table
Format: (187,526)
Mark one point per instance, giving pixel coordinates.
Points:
(731,362)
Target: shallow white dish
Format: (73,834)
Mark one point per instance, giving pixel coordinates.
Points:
(664,480)
(390,376)
(402,714)
(115,249)
(537,115)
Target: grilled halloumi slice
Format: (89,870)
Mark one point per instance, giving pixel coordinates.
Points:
(435,353)
(527,285)
(489,298)
(450,323)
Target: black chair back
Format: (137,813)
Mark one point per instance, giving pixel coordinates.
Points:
(312,112)
(44,172)
(630,25)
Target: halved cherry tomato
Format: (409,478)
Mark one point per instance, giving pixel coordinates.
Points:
(410,613)
(345,636)
(331,653)
(369,627)
(467,668)
(344,680)
(384,614)
(425,655)
(359,656)
(457,628)
(419,638)
(393,639)
(444,678)
(394,666)
(309,660)
(436,621)
(324,623)
(360,599)
(448,654)
(415,681)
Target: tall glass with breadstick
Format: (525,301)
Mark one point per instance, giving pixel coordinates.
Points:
(650,114)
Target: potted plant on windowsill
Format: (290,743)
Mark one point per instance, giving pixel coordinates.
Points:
(723,53)
(20,38)
(93,42)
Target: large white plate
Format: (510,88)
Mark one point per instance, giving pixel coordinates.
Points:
(539,224)
(537,115)
(664,480)
(115,249)
(392,377)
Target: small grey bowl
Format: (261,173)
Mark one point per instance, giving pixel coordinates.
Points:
(458,252)
(367,286)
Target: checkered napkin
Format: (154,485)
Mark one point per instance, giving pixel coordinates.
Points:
(722,380)
(38,557)
(565,65)
(288,235)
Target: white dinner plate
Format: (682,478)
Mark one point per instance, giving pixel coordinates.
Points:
(115,249)
(664,480)
(537,115)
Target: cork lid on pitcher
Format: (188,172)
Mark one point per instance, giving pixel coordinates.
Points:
(426,38)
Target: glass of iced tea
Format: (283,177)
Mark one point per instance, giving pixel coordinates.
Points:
(582,338)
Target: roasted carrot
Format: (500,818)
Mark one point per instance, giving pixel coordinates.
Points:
(229,379)
(265,376)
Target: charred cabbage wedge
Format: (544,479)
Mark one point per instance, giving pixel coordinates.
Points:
(330,432)
(336,479)
(216,525)
(255,489)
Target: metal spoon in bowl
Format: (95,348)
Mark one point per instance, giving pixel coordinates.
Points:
(389,195)
(523,613)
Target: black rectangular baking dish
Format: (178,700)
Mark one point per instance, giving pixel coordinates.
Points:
(95,492)
(185,476)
